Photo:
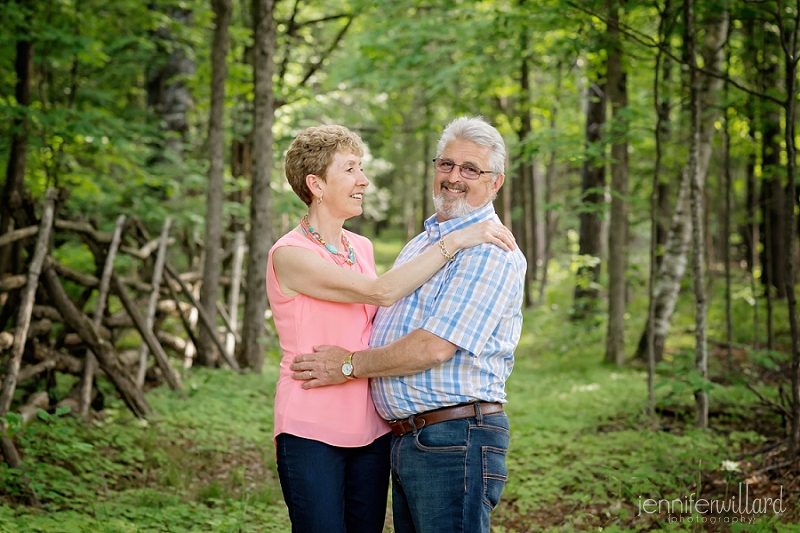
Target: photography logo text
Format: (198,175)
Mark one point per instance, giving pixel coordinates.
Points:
(740,507)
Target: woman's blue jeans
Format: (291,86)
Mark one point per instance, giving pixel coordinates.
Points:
(329,489)
(448,477)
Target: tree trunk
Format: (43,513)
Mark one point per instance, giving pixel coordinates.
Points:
(593,182)
(618,225)
(655,201)
(260,238)
(790,116)
(167,92)
(663,109)
(207,351)
(673,265)
(15,171)
(524,171)
(696,185)
(767,262)
(726,229)
(526,167)
(751,226)
(233,294)
(527,223)
(772,193)
(550,215)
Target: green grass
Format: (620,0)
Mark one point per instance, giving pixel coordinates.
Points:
(205,462)
(583,453)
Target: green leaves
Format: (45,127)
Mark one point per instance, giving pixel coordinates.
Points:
(13,424)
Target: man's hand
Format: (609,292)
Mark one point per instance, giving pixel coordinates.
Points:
(321,368)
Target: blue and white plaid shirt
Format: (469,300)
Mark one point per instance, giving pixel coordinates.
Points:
(474,302)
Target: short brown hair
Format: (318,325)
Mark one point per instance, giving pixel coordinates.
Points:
(312,153)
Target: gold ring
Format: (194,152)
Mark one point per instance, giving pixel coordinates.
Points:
(309,374)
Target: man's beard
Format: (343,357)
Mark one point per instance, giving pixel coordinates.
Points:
(449,207)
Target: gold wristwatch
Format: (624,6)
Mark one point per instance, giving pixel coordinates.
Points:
(347,366)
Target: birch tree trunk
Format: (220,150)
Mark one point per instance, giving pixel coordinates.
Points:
(207,351)
(260,238)
(673,263)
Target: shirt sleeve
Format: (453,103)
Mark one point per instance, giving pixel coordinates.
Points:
(478,291)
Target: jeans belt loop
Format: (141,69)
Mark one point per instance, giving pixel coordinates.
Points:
(478,414)
(412,421)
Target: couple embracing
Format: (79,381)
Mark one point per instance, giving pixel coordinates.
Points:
(401,374)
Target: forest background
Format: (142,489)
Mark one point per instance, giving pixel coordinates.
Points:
(650,181)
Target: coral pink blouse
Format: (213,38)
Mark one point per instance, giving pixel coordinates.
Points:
(339,415)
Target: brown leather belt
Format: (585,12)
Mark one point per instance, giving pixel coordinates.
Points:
(464,410)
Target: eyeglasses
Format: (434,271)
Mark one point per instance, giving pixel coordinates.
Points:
(467,170)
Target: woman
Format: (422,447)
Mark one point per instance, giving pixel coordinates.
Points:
(332,447)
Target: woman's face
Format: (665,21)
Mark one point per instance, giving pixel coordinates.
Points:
(343,190)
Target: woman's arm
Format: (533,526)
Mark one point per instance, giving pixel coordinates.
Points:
(301,271)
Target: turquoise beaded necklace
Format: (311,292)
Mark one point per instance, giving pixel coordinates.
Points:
(310,232)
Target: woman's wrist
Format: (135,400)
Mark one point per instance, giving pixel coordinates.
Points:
(453,242)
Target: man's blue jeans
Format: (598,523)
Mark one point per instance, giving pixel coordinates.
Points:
(329,489)
(448,477)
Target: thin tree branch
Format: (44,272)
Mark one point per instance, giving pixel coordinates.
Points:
(767,401)
(327,18)
(648,42)
(291,28)
(316,66)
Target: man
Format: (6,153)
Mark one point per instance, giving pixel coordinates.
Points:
(440,357)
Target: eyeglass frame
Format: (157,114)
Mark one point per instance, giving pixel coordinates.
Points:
(460,172)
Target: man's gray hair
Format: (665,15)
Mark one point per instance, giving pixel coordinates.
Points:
(477,130)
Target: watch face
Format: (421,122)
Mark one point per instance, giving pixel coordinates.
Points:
(347,369)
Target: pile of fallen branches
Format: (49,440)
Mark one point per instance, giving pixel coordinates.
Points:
(52,333)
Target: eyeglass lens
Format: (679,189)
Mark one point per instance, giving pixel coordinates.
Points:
(467,171)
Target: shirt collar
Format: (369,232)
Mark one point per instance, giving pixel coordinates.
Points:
(436,230)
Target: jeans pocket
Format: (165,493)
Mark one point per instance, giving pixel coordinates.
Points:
(494,474)
(450,436)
